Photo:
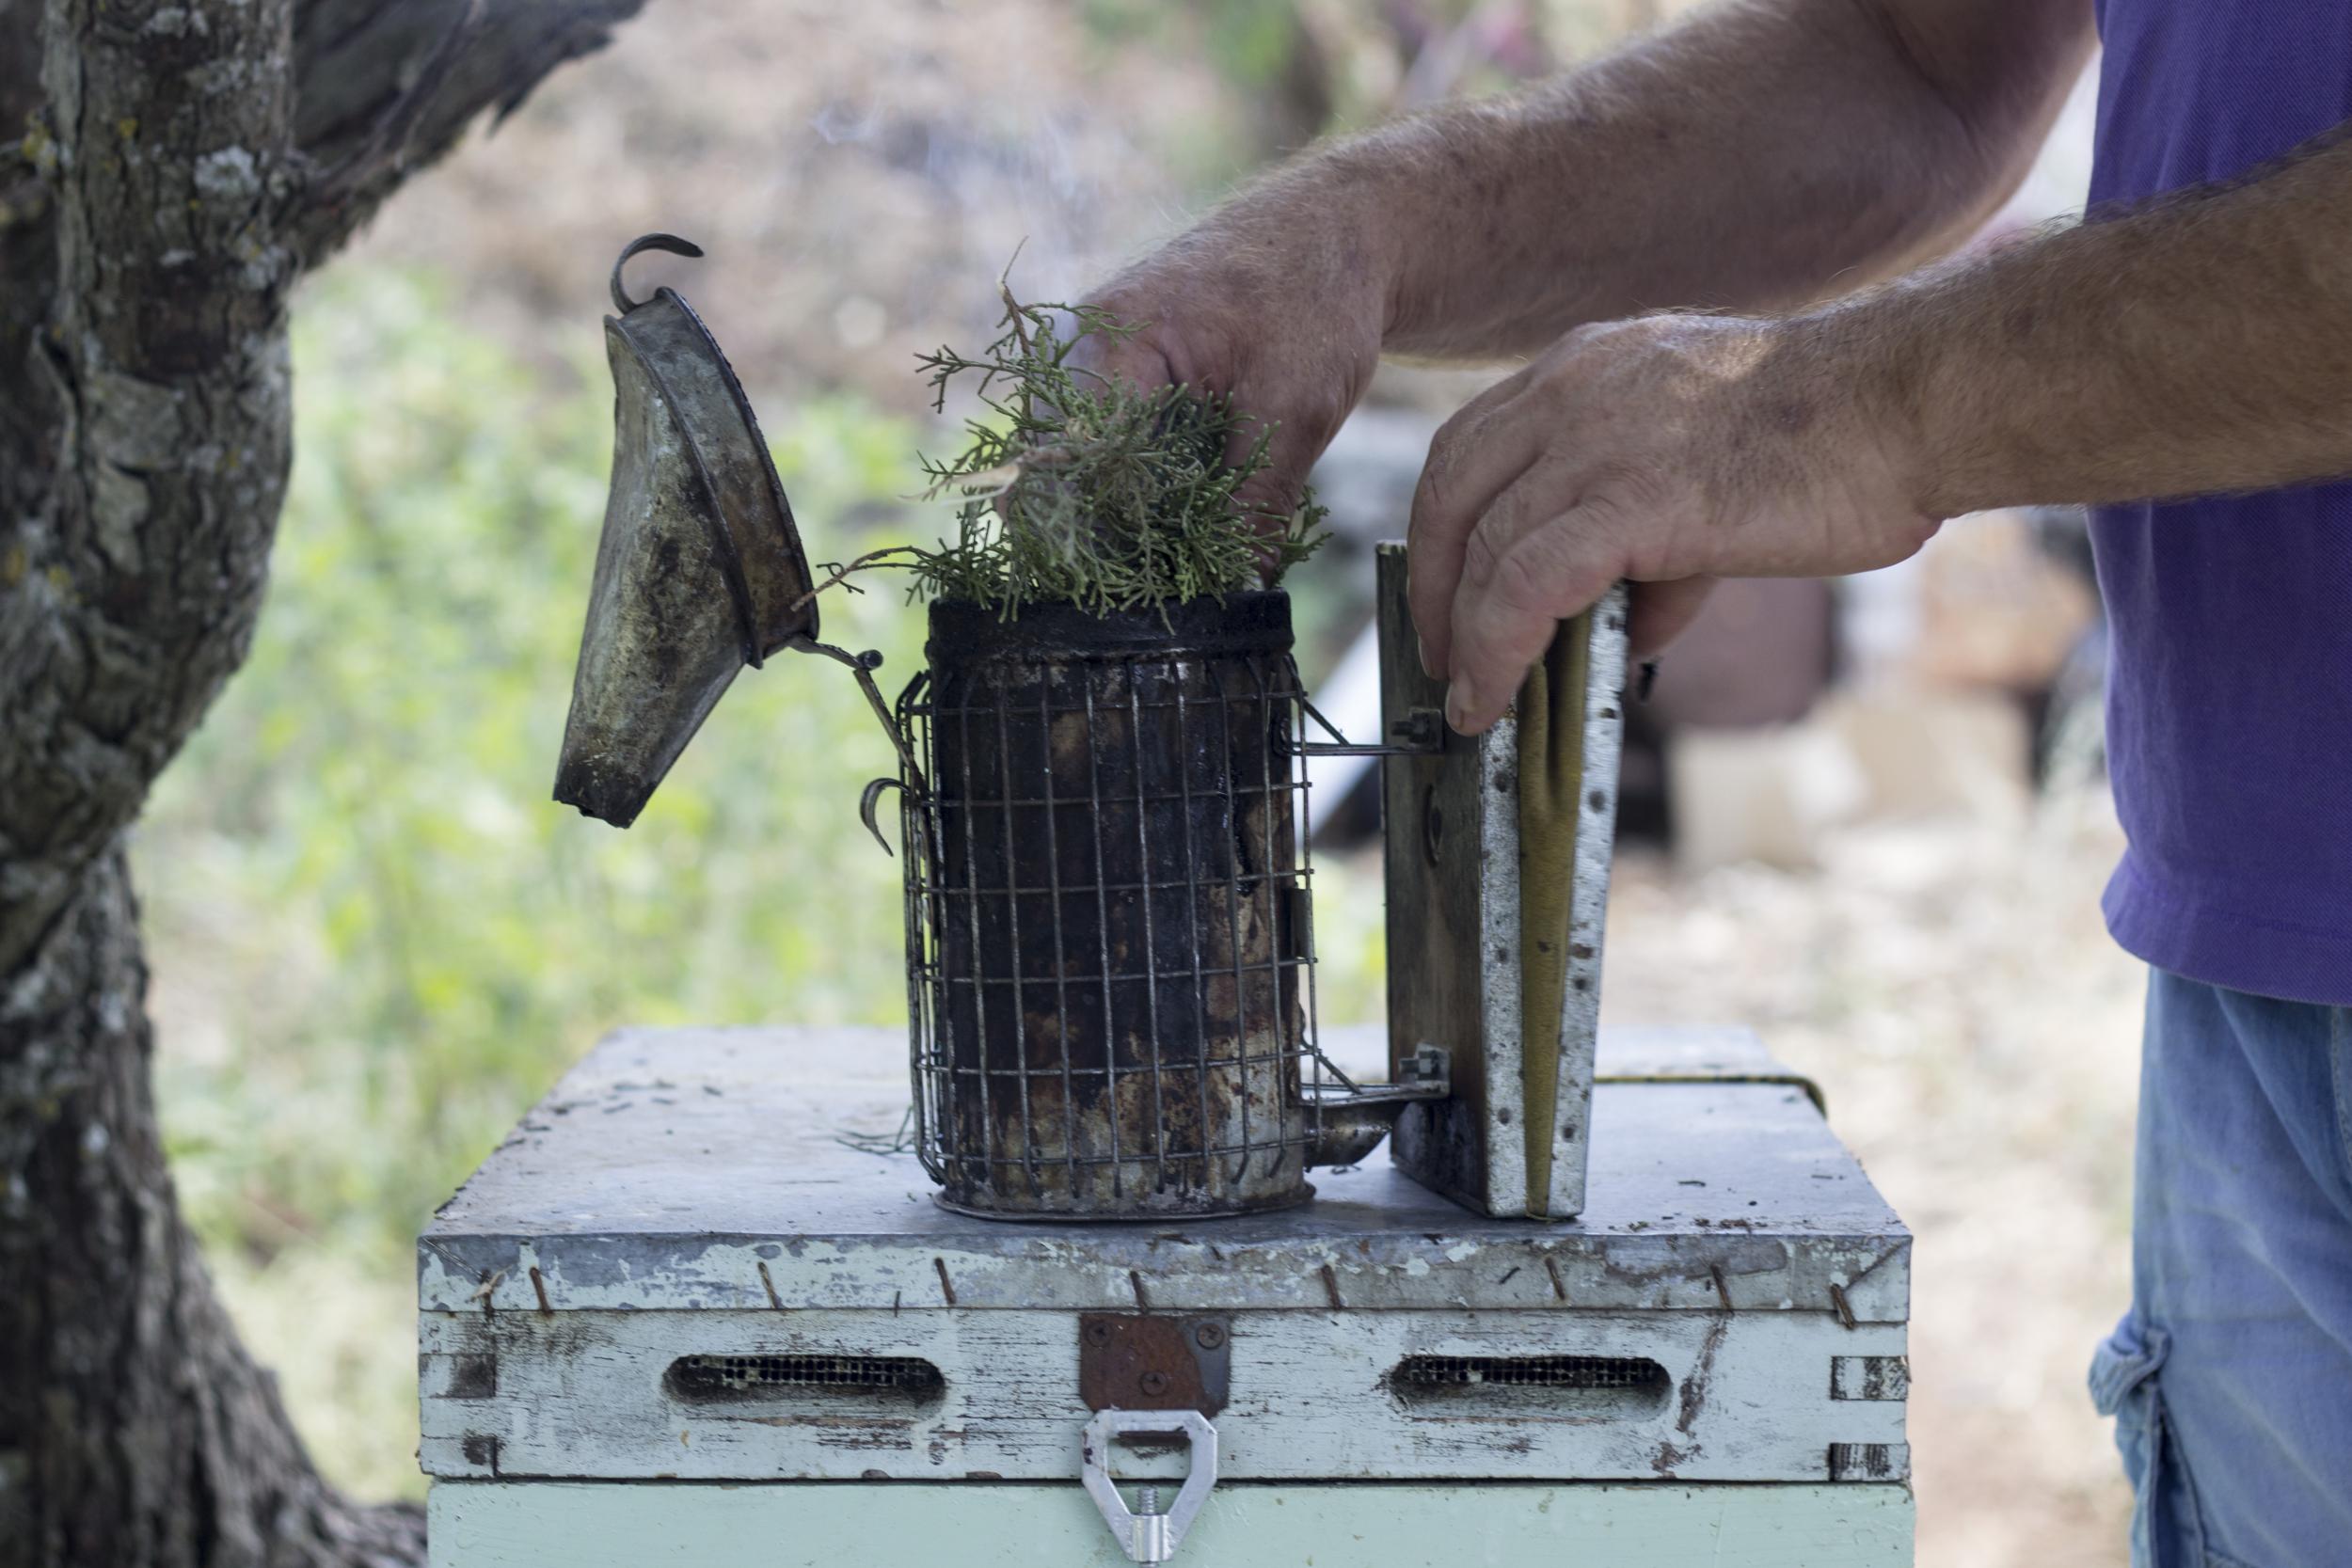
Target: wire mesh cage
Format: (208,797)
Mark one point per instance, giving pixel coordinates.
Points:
(1110,949)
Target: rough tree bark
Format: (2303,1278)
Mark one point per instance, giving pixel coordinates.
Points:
(167,172)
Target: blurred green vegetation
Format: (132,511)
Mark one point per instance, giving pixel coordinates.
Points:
(1305,68)
(403,937)
(1250,42)
(376,942)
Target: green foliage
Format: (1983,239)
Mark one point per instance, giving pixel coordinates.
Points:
(1088,490)
(391,938)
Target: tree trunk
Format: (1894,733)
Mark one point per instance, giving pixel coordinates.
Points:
(180,164)
(153,1437)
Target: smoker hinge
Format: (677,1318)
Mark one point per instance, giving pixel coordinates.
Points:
(1421,733)
(1426,1074)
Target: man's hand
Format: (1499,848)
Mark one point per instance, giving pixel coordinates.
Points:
(1669,450)
(1292,338)
(1694,165)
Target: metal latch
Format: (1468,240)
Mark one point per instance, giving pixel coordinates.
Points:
(1146,1534)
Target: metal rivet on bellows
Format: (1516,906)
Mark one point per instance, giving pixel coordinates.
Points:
(1209,1336)
(1153,1382)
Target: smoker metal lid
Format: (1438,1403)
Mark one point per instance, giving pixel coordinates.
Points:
(704,1168)
(700,569)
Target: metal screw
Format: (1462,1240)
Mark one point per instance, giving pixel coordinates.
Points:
(1209,1336)
(1098,1335)
(1153,1382)
(1150,1500)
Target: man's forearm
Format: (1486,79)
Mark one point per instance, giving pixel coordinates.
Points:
(1757,156)
(2203,344)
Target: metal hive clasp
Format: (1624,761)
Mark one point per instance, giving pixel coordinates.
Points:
(1147,1536)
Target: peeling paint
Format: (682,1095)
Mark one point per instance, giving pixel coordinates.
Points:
(866,1236)
(584,1395)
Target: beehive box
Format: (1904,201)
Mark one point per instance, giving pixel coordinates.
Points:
(686,1312)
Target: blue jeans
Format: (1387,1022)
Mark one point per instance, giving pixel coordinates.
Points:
(2231,1378)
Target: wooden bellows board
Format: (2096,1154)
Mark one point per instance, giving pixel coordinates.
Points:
(1498,855)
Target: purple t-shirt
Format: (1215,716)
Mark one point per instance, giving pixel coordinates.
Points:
(2229,700)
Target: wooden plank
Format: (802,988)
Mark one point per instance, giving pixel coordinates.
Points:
(698,1168)
(1740,1396)
(530,1525)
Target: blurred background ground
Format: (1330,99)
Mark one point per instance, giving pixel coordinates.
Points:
(375,941)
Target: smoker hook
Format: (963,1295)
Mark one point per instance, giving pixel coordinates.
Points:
(669,243)
(863,666)
(871,798)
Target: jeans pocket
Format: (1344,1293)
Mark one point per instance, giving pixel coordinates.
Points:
(2165,1531)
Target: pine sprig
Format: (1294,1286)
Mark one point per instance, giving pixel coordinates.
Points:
(1082,489)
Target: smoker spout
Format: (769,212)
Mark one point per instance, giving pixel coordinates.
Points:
(1347,1134)
(1350,1119)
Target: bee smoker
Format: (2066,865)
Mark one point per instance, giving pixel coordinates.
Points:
(1104,821)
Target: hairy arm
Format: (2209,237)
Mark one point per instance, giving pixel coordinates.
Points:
(1762,155)
(2201,344)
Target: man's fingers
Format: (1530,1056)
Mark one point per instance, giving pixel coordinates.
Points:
(1474,457)
(1270,496)
(1504,623)
(1156,358)
(1664,612)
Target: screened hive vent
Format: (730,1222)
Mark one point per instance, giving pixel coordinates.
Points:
(1570,1383)
(721,1379)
